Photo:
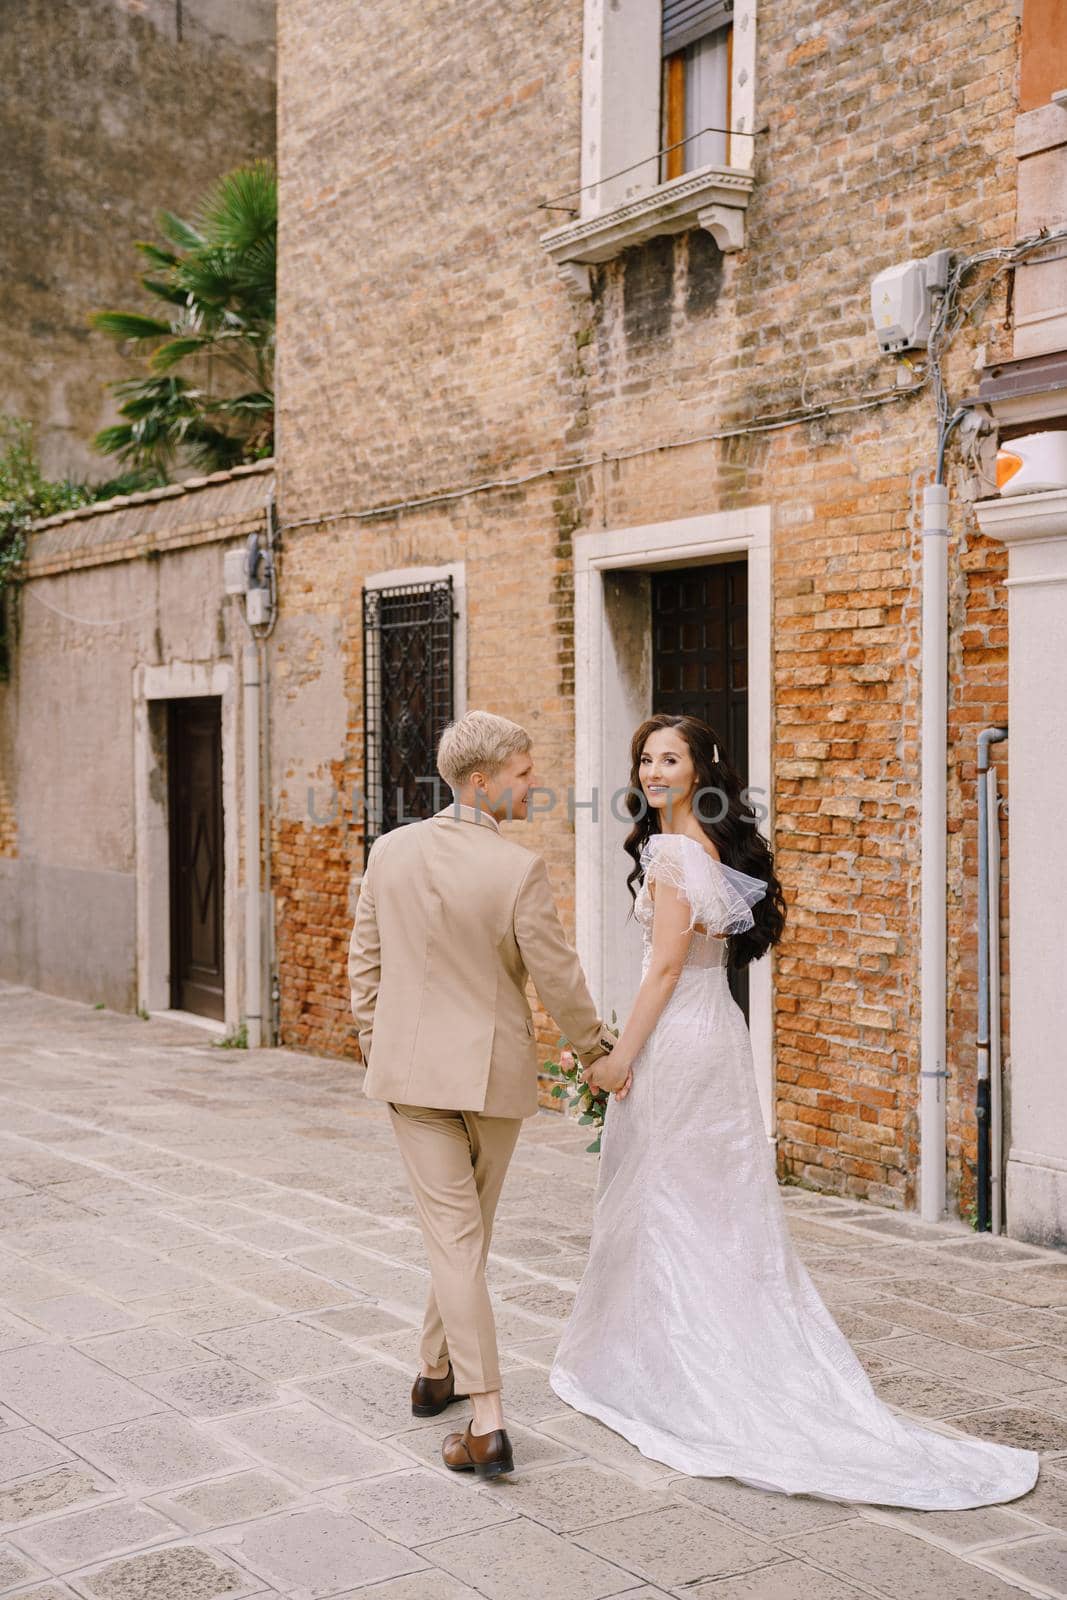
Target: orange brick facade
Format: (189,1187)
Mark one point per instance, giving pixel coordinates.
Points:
(428,348)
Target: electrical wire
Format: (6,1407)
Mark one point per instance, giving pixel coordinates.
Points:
(609,177)
(87,622)
(768,424)
(950,314)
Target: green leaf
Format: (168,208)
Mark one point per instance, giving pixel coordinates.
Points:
(152,252)
(594,1148)
(183,234)
(214,278)
(585,1119)
(168,355)
(557,1091)
(129,325)
(242,208)
(165,291)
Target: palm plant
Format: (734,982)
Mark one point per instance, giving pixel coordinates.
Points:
(216,278)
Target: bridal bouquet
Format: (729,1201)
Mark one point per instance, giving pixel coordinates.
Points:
(590,1103)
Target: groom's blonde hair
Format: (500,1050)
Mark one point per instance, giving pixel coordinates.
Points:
(478,742)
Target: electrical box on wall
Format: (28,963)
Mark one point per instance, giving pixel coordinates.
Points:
(235,571)
(901,301)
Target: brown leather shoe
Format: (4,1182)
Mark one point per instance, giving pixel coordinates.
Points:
(430,1396)
(486,1454)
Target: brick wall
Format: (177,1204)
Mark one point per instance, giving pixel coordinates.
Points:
(429,346)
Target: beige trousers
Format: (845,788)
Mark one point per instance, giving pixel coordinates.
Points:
(456,1163)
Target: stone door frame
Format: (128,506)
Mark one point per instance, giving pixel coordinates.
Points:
(612,695)
(152,687)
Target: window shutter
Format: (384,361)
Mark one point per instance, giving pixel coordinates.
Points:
(685,21)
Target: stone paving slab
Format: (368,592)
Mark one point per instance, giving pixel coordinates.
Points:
(44,1493)
(211,1282)
(317,1551)
(520,1560)
(308,1446)
(64,1392)
(62,1544)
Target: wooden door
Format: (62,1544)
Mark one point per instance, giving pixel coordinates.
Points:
(700,662)
(196,856)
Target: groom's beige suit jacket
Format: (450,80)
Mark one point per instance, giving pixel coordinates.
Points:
(452,918)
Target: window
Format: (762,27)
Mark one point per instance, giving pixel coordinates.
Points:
(408,698)
(659,73)
(697,49)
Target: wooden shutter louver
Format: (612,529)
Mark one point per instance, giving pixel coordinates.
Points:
(685,21)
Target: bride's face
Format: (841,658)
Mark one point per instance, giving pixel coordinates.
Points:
(665,770)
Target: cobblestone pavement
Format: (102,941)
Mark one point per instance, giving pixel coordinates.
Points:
(209,1281)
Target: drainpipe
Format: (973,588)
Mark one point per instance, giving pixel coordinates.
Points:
(934,824)
(932,1146)
(273,1030)
(983,1097)
(253,921)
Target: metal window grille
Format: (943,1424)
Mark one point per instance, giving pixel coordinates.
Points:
(408,688)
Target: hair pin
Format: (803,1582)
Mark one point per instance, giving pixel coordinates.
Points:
(715,754)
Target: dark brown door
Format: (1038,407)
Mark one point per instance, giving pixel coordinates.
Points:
(700,662)
(195,762)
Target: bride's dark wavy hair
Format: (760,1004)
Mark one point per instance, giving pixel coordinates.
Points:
(735,834)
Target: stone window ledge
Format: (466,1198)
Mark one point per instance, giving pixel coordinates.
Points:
(1024,518)
(714,198)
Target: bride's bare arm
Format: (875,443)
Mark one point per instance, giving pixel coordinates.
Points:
(671,935)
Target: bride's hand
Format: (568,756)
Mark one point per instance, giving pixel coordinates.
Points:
(609,1075)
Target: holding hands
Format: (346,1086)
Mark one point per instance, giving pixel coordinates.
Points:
(585,1087)
(610,1072)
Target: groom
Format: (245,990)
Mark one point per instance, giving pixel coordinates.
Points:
(452,918)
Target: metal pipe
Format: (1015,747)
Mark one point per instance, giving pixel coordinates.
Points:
(270,1036)
(982,1105)
(934,826)
(934,928)
(273,1031)
(253,918)
(996,1121)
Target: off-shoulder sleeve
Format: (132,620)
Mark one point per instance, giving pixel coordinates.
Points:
(719,897)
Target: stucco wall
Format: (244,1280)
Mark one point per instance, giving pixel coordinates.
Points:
(109,592)
(111,111)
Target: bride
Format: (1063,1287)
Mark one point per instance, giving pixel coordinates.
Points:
(697,1332)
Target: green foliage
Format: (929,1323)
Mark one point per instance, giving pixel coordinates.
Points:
(590,1104)
(208,396)
(236,1039)
(26,495)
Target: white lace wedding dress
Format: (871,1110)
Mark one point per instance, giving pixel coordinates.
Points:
(697,1332)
